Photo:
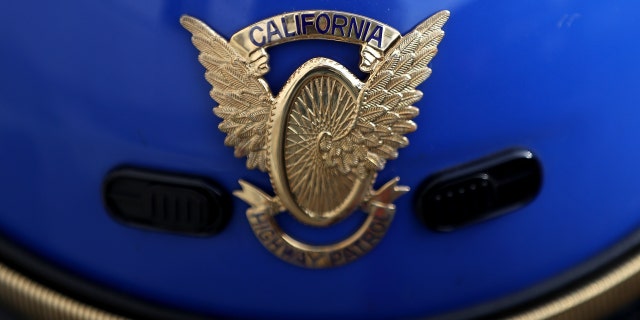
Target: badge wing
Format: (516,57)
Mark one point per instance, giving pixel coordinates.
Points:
(244,97)
(385,101)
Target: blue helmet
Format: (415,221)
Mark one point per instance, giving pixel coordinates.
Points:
(517,193)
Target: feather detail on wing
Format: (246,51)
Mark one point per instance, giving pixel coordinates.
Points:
(385,101)
(244,97)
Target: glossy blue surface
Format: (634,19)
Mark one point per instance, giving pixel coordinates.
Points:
(89,86)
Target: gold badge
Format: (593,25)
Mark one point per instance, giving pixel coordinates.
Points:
(325,136)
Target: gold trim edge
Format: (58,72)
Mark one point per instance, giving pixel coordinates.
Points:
(36,301)
(593,300)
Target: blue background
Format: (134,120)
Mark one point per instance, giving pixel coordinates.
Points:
(89,86)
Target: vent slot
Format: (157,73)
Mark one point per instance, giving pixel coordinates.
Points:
(167,202)
(479,190)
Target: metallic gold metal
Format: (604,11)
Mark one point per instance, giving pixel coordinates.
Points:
(380,214)
(594,300)
(305,116)
(38,302)
(323,139)
(357,30)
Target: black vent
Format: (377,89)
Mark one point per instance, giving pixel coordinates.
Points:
(168,202)
(478,190)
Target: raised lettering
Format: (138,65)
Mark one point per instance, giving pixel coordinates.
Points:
(288,253)
(376,34)
(317,259)
(378,227)
(363,245)
(373,239)
(258,218)
(355,29)
(350,254)
(272,30)
(355,249)
(277,245)
(335,24)
(298,31)
(266,235)
(306,22)
(337,258)
(285,29)
(322,26)
(252,37)
(366,30)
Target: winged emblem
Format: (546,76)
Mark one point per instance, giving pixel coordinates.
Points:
(326,135)
(244,97)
